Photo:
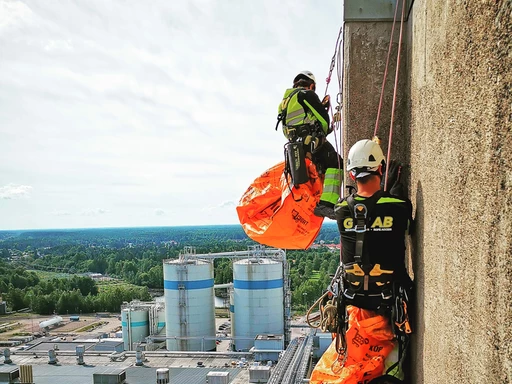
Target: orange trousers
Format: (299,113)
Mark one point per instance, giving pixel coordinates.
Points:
(369,338)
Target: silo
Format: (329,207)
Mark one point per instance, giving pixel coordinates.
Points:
(160,325)
(135,324)
(157,317)
(258,299)
(232,310)
(189,305)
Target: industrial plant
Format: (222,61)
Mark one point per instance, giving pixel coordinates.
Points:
(178,335)
(185,318)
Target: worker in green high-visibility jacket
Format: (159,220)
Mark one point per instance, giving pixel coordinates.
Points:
(305,121)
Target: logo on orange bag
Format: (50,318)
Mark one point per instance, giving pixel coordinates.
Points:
(297,217)
(359,340)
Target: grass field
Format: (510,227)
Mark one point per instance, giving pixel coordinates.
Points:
(46,275)
(105,285)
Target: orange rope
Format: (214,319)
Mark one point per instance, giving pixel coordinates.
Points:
(385,72)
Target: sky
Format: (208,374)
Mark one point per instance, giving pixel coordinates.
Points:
(133,113)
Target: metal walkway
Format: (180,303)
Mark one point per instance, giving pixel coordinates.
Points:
(293,365)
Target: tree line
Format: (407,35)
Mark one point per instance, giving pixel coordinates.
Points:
(136,259)
(78,294)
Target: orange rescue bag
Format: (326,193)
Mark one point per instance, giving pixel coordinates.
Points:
(369,341)
(274,215)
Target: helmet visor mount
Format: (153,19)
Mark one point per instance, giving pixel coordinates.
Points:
(359,173)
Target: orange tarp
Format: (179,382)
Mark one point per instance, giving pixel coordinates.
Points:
(369,341)
(274,215)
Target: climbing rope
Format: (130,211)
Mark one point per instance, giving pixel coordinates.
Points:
(333,60)
(336,62)
(326,318)
(379,109)
(390,140)
(338,121)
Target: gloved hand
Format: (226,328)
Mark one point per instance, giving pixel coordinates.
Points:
(395,187)
(326,101)
(327,156)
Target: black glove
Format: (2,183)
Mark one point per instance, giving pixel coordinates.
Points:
(327,157)
(395,187)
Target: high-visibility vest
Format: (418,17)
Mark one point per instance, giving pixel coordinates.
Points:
(294,114)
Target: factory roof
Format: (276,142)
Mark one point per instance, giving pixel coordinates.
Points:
(83,374)
(61,345)
(182,369)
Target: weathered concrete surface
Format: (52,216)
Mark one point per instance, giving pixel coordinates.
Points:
(454,128)
(460,68)
(365,52)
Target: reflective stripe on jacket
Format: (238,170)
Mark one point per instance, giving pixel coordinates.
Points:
(294,113)
(332,185)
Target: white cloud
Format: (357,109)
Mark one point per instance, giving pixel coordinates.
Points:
(223,206)
(58,45)
(136,108)
(93,212)
(15,191)
(61,213)
(14,14)
(159,212)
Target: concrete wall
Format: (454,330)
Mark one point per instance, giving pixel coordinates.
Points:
(365,51)
(460,70)
(454,129)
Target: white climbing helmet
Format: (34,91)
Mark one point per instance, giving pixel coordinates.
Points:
(364,158)
(305,74)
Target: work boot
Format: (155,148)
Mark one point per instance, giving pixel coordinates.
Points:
(324,209)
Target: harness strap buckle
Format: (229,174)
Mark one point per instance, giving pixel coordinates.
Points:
(360,213)
(349,294)
(387,294)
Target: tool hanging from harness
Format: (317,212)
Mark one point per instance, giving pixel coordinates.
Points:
(328,304)
(303,132)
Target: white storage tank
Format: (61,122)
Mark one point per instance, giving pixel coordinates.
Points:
(232,310)
(258,300)
(135,324)
(157,317)
(189,305)
(160,325)
(48,323)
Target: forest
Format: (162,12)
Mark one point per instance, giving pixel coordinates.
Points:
(46,271)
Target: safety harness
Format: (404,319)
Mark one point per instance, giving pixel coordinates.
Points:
(303,133)
(297,126)
(363,278)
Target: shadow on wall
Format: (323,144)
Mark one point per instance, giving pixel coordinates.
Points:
(419,284)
